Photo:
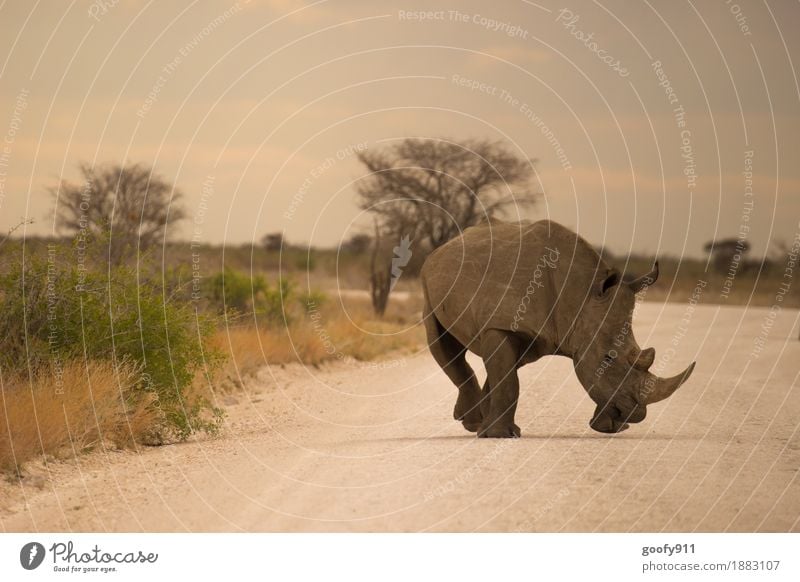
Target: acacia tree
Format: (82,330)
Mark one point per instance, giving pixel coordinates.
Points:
(431,189)
(129,206)
(273,241)
(728,254)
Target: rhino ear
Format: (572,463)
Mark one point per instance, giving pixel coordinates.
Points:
(644,281)
(607,283)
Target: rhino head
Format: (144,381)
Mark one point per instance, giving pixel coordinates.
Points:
(610,365)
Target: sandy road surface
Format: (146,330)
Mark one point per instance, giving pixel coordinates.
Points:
(368,449)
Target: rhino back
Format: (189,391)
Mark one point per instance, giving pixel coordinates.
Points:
(502,276)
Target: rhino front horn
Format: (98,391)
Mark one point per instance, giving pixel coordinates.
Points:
(657,389)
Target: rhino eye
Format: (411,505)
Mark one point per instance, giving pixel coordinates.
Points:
(608,359)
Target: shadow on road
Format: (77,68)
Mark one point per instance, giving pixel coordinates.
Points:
(543,437)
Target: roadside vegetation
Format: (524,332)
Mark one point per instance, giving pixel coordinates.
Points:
(97,356)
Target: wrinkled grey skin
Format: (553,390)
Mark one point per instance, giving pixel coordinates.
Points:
(514,292)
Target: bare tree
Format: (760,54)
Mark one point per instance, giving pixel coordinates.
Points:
(431,189)
(380,278)
(129,206)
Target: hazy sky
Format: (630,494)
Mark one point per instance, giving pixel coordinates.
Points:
(644,131)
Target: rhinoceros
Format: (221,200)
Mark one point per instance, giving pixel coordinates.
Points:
(514,292)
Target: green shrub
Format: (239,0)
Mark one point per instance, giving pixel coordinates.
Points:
(305,260)
(240,296)
(233,290)
(273,304)
(312,300)
(54,310)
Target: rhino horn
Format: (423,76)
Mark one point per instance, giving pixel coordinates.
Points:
(645,280)
(657,389)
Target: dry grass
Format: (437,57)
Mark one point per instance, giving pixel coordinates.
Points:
(39,418)
(334,331)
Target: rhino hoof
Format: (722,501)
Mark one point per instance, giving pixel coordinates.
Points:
(614,429)
(500,432)
(469,415)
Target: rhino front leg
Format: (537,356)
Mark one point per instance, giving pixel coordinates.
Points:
(500,355)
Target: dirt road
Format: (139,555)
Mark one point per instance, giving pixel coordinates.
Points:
(376,449)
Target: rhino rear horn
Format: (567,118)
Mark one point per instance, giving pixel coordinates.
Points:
(644,281)
(644,359)
(657,389)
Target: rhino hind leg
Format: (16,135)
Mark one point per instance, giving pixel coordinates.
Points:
(450,354)
(501,391)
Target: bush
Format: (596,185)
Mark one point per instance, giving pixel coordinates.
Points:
(306,260)
(312,300)
(53,314)
(273,304)
(238,295)
(232,290)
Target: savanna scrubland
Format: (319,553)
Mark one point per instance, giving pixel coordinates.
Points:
(144,354)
